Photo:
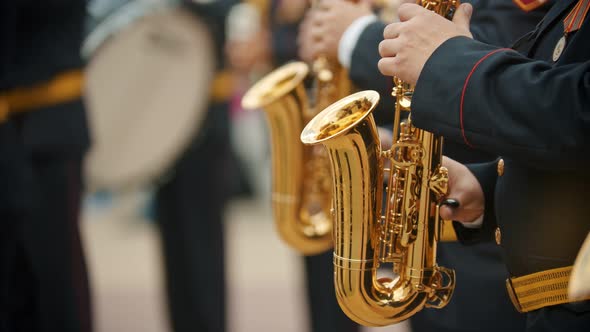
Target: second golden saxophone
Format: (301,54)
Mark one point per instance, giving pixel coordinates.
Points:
(405,237)
(301,193)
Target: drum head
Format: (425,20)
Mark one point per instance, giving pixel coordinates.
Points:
(146,92)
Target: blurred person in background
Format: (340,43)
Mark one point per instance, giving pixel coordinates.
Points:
(43,138)
(351,33)
(281,31)
(189,204)
(248,56)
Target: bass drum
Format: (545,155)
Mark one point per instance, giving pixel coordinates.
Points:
(147,86)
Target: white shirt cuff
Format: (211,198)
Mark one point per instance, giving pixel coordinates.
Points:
(477,223)
(350,38)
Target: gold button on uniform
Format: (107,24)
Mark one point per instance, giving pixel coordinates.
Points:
(500,167)
(498,236)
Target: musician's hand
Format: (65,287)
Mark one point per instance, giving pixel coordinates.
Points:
(463,187)
(410,42)
(323,26)
(291,11)
(385,137)
(389,8)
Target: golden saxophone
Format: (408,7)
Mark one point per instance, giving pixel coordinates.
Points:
(406,235)
(301,184)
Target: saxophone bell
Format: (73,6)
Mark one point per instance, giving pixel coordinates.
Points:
(300,188)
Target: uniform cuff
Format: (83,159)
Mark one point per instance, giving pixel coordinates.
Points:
(477,223)
(350,38)
(486,175)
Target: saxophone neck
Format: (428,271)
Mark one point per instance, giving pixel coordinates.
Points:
(331,83)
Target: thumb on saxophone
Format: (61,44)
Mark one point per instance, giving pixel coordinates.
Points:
(463,15)
(465,201)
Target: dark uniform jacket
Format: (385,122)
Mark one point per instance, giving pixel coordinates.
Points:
(535,113)
(42,273)
(38,40)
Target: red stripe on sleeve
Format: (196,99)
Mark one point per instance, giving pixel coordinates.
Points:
(465,88)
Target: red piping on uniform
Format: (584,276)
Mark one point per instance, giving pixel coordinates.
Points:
(465,88)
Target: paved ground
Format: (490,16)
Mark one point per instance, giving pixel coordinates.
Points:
(265,287)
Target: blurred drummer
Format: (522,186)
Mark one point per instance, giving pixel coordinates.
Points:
(43,137)
(190,203)
(284,19)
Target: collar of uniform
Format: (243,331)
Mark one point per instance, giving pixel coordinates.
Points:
(554,13)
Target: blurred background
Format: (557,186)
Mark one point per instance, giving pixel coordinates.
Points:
(140,187)
(125,204)
(265,286)
(265,280)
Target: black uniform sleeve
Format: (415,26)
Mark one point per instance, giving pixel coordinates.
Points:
(38,40)
(365,74)
(486,175)
(500,101)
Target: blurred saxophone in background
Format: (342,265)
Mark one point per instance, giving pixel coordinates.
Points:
(301,183)
(406,235)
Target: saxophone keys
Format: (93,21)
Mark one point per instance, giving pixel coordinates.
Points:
(439,182)
(405,102)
